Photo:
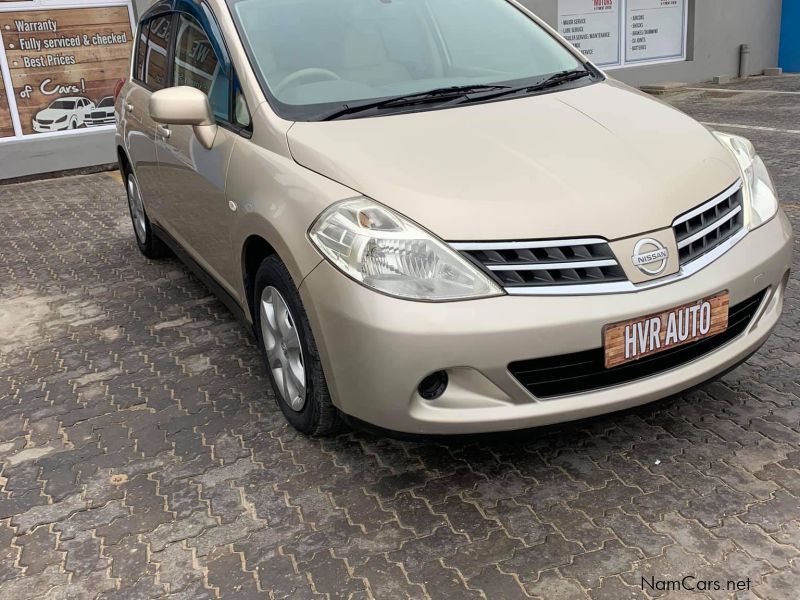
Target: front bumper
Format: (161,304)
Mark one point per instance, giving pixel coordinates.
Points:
(92,122)
(39,128)
(376,349)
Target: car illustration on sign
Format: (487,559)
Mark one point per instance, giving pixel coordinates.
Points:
(64,113)
(103,114)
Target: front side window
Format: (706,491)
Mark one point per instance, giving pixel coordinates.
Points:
(315,55)
(198,66)
(157,51)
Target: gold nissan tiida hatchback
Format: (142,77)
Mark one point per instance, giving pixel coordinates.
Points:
(438,217)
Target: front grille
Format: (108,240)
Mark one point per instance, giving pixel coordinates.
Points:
(702,230)
(585,371)
(516,265)
(100,116)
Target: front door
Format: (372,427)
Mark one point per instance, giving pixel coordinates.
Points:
(149,75)
(195,206)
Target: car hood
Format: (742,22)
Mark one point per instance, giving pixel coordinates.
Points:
(601,160)
(52,113)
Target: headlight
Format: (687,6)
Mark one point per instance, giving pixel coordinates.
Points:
(385,251)
(759,190)
(61,120)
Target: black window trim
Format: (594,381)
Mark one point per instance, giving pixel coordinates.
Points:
(135,61)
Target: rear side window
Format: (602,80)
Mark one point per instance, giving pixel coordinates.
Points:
(198,66)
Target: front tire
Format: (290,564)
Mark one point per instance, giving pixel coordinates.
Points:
(290,352)
(149,244)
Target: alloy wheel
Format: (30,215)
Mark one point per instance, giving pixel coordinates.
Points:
(283,348)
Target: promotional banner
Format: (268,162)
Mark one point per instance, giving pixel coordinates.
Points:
(65,63)
(6,126)
(593,28)
(656,30)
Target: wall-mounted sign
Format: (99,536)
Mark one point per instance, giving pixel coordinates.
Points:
(6,124)
(656,30)
(63,65)
(616,33)
(593,28)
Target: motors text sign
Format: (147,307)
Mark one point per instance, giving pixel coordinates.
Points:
(593,28)
(655,30)
(613,33)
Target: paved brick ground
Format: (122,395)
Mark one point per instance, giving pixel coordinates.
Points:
(143,457)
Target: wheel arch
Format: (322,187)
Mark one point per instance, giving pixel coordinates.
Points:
(123,160)
(254,250)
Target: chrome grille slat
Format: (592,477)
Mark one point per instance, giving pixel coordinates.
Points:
(705,228)
(531,244)
(542,264)
(714,226)
(710,204)
(547,265)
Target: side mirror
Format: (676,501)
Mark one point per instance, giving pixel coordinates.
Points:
(185,105)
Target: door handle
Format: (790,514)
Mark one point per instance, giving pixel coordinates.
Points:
(164,132)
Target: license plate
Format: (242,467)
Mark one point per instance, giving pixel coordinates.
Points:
(634,339)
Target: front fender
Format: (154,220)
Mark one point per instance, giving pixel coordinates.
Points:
(278,200)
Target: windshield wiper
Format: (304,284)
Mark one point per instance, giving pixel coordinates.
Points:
(559,78)
(436,95)
(550,81)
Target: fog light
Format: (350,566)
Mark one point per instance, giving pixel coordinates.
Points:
(433,386)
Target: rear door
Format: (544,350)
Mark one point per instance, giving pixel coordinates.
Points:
(196,208)
(149,74)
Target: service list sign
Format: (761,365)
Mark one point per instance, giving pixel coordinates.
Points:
(64,62)
(592,26)
(655,30)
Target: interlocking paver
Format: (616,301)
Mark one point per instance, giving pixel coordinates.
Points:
(613,588)
(693,537)
(142,455)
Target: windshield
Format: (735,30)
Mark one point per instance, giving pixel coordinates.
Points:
(63,104)
(313,56)
(107,102)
